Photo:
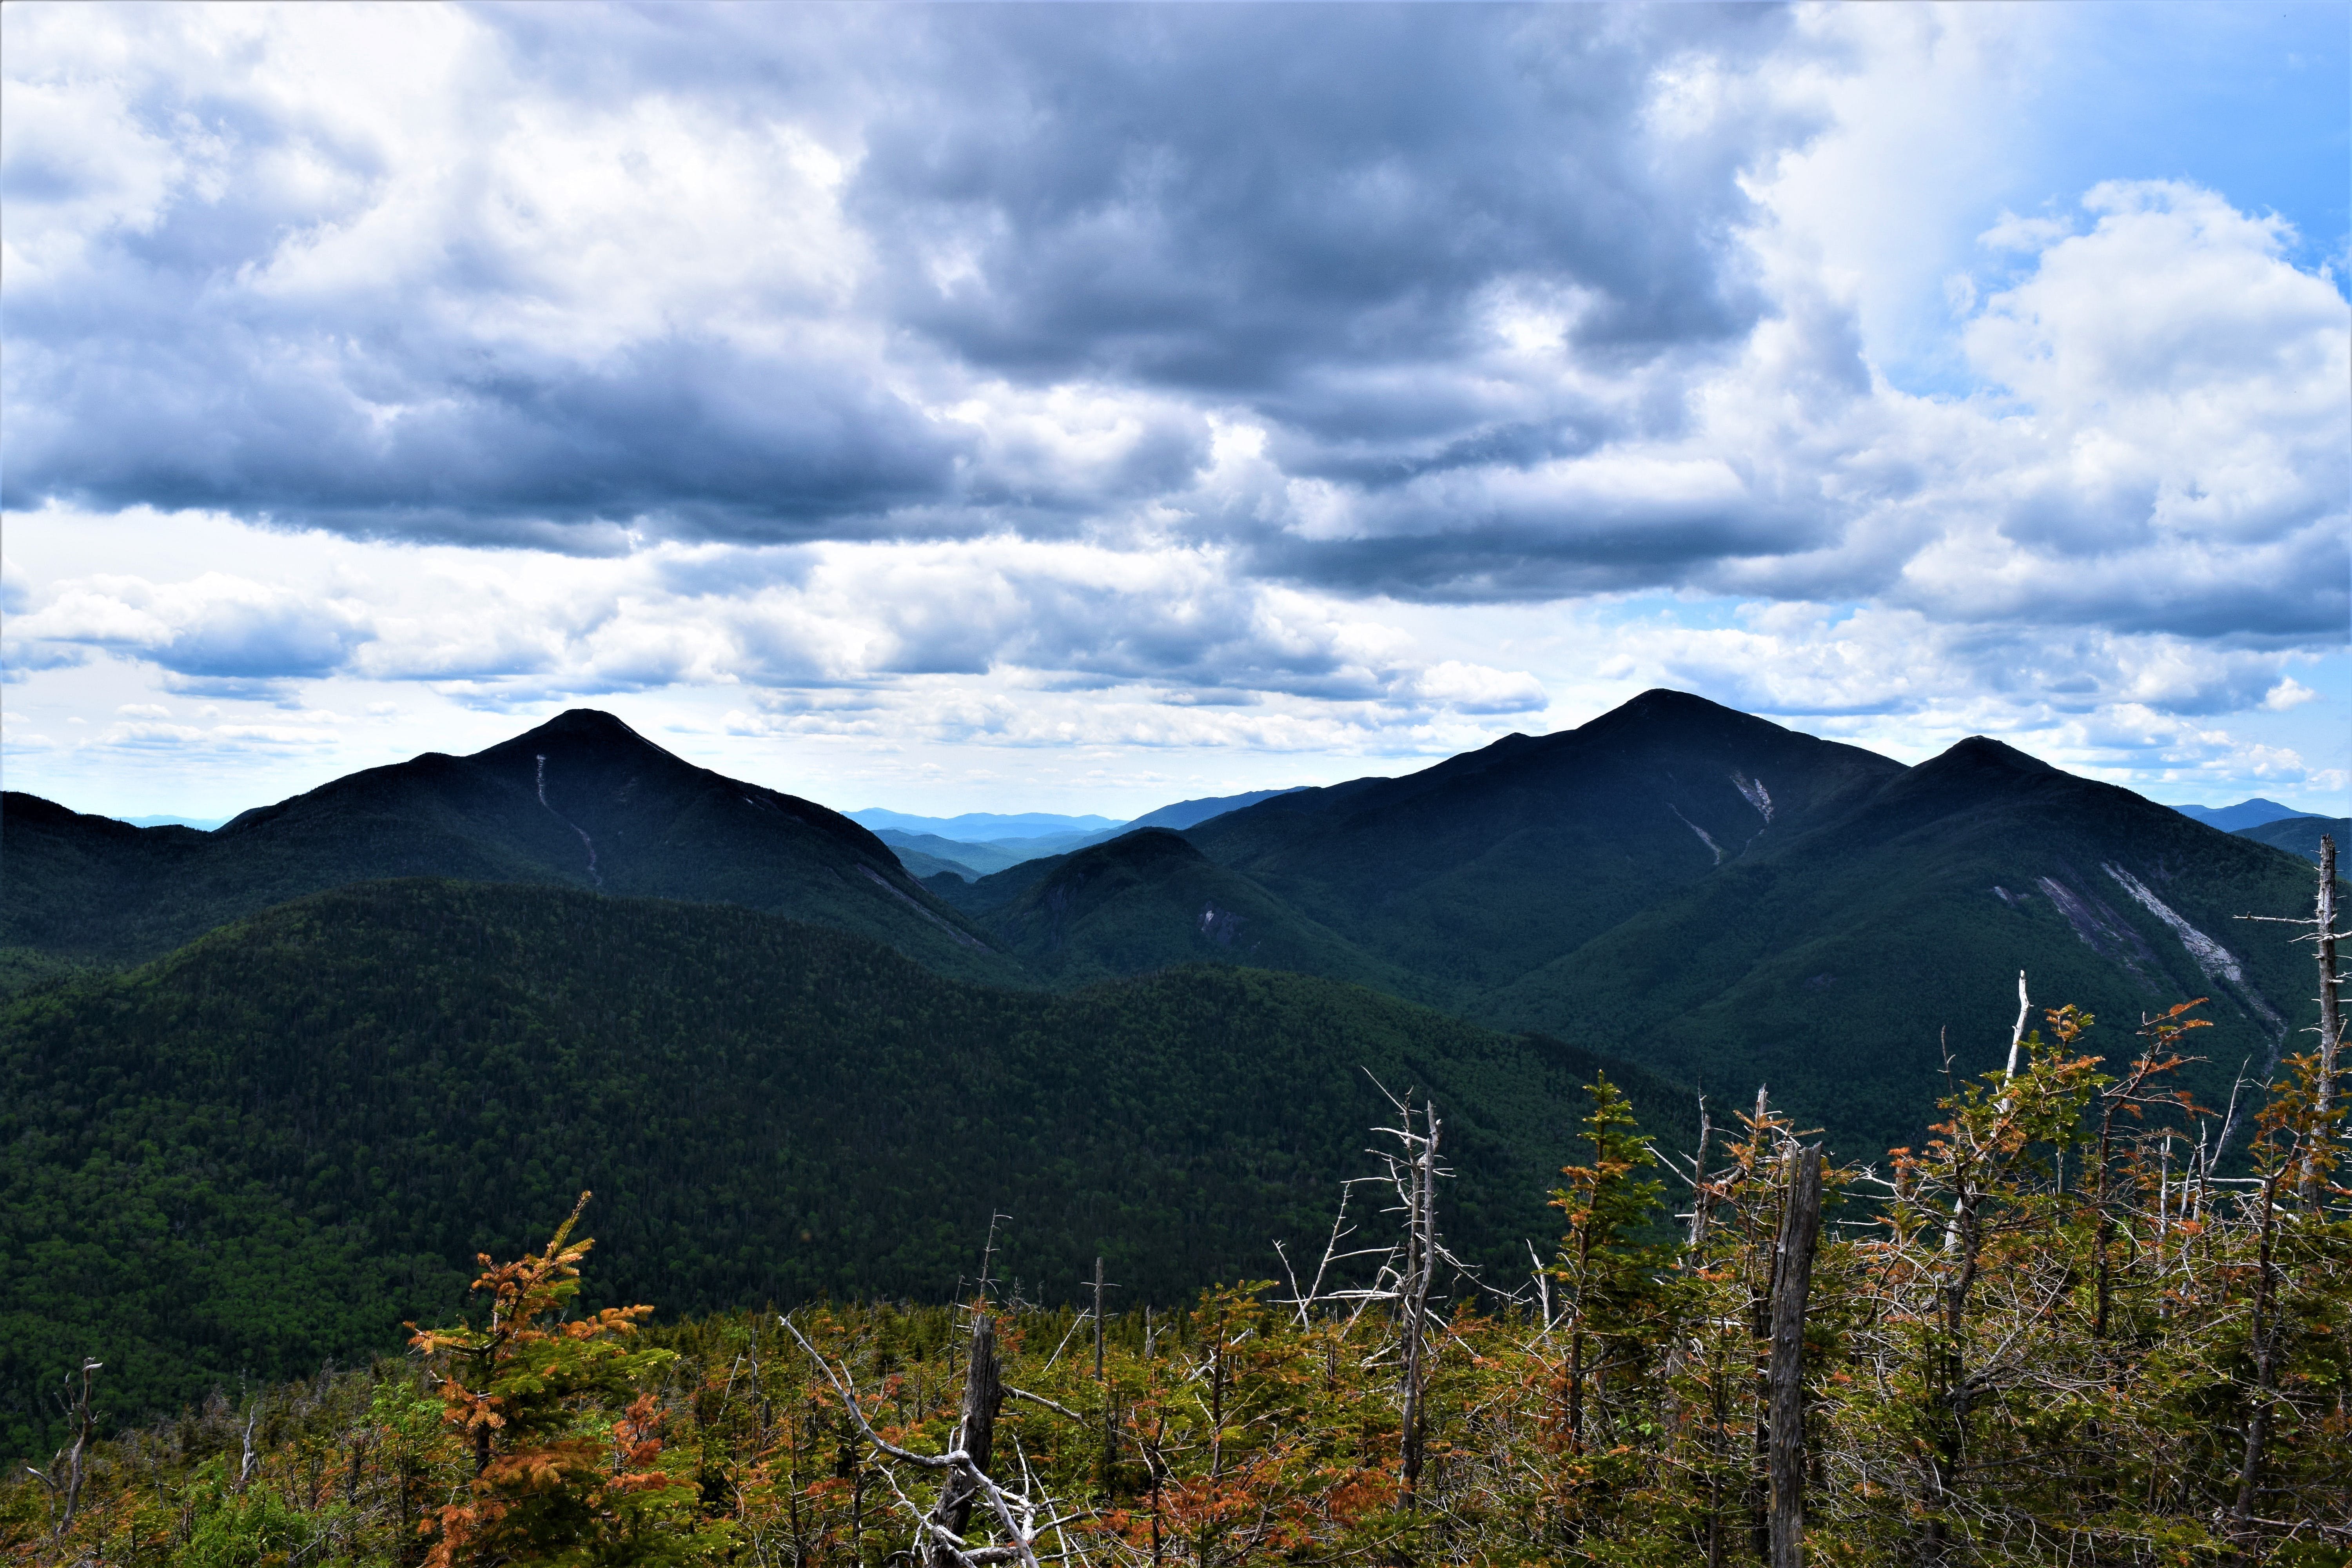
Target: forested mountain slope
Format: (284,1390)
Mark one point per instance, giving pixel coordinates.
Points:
(1147,901)
(580,801)
(1479,869)
(1829,964)
(282,1141)
(1723,899)
(2301,834)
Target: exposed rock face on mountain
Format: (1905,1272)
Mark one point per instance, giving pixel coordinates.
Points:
(1721,898)
(1831,965)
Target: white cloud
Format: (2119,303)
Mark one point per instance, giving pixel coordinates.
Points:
(215,627)
(1030,410)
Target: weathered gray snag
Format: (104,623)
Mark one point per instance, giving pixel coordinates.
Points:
(975,1433)
(1420,1269)
(1800,1230)
(1111,1415)
(64,1475)
(2331,1021)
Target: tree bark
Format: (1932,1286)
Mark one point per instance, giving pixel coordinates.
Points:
(2331,1021)
(1420,1270)
(1800,1230)
(975,1434)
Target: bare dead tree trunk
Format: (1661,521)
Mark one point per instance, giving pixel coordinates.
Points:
(1111,1420)
(1698,1179)
(2331,1021)
(1800,1230)
(247,1462)
(1421,1267)
(975,1433)
(79,1421)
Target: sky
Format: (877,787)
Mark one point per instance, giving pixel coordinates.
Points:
(1077,408)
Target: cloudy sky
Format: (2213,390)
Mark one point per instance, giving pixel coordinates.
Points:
(1076,408)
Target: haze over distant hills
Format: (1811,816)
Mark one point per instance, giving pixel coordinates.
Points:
(984,826)
(978,843)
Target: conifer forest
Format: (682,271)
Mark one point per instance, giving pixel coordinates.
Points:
(2087,1319)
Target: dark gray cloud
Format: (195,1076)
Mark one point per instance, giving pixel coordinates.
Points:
(1444,304)
(449,442)
(1300,212)
(1251,203)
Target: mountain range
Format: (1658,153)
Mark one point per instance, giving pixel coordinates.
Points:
(305,1065)
(1712,895)
(976,844)
(2237,818)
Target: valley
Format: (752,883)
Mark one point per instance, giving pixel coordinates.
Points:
(267,1089)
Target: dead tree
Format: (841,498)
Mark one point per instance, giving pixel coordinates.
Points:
(965,1484)
(1407,1273)
(1800,1230)
(1110,1418)
(2323,936)
(1418,1183)
(64,1476)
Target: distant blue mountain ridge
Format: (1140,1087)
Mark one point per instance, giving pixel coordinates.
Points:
(2245,814)
(979,842)
(984,827)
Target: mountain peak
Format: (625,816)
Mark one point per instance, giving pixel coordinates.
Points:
(1983,753)
(585,735)
(582,724)
(1662,708)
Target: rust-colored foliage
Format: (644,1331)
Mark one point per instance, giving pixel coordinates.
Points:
(557,1470)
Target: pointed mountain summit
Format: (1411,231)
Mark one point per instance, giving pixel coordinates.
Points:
(1490,864)
(580,801)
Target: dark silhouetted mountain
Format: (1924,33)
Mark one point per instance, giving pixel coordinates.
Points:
(2301,835)
(1489,864)
(1148,901)
(1674,883)
(1191,812)
(279,1143)
(2245,814)
(1723,899)
(1830,964)
(580,801)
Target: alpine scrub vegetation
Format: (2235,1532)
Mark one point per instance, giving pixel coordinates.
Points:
(2088,1320)
(546,1482)
(2057,1333)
